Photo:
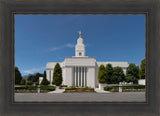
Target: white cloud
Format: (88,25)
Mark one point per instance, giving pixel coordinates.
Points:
(33,70)
(69,45)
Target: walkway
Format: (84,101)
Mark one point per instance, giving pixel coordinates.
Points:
(57,90)
(81,97)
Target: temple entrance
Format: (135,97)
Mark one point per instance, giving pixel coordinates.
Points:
(80,76)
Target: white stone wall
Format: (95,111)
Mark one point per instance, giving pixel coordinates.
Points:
(68,76)
(102,85)
(64,76)
(142,82)
(91,77)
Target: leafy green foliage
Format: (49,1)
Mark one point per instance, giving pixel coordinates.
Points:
(132,73)
(115,88)
(109,88)
(45,81)
(34,77)
(109,70)
(23,81)
(57,75)
(29,83)
(31,87)
(18,76)
(118,75)
(49,88)
(142,69)
(102,74)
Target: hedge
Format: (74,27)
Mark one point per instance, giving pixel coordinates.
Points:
(50,88)
(134,87)
(109,88)
(31,87)
(74,88)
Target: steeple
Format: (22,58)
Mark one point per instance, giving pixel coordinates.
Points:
(80,34)
(80,47)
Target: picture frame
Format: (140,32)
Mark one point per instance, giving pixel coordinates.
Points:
(148,7)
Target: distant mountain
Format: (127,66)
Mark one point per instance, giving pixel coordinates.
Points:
(25,76)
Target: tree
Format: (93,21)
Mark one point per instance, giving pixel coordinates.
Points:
(44,74)
(118,75)
(23,81)
(109,70)
(142,69)
(18,76)
(29,83)
(132,73)
(45,81)
(57,75)
(34,77)
(102,77)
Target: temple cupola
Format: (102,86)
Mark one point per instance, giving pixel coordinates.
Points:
(80,47)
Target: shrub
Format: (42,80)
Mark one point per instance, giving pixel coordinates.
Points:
(111,88)
(134,87)
(71,88)
(63,85)
(23,81)
(45,81)
(29,83)
(31,87)
(21,88)
(49,88)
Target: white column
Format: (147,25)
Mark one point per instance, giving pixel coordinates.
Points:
(81,75)
(78,76)
(50,77)
(75,76)
(84,77)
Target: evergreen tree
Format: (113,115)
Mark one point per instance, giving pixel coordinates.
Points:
(44,74)
(45,81)
(132,73)
(18,76)
(142,69)
(118,75)
(109,70)
(23,81)
(57,75)
(102,76)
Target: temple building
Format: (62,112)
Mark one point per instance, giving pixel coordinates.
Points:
(80,70)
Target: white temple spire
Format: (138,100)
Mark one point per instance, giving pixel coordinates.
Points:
(80,47)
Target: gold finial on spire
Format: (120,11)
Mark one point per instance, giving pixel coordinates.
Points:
(80,34)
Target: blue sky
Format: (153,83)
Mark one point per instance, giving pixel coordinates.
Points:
(50,38)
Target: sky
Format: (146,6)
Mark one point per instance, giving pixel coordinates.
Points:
(50,38)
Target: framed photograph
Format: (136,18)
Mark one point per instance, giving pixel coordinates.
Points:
(79,57)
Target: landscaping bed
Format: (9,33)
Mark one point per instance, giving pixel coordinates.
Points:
(33,89)
(73,89)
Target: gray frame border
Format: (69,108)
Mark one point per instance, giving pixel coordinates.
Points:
(8,7)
